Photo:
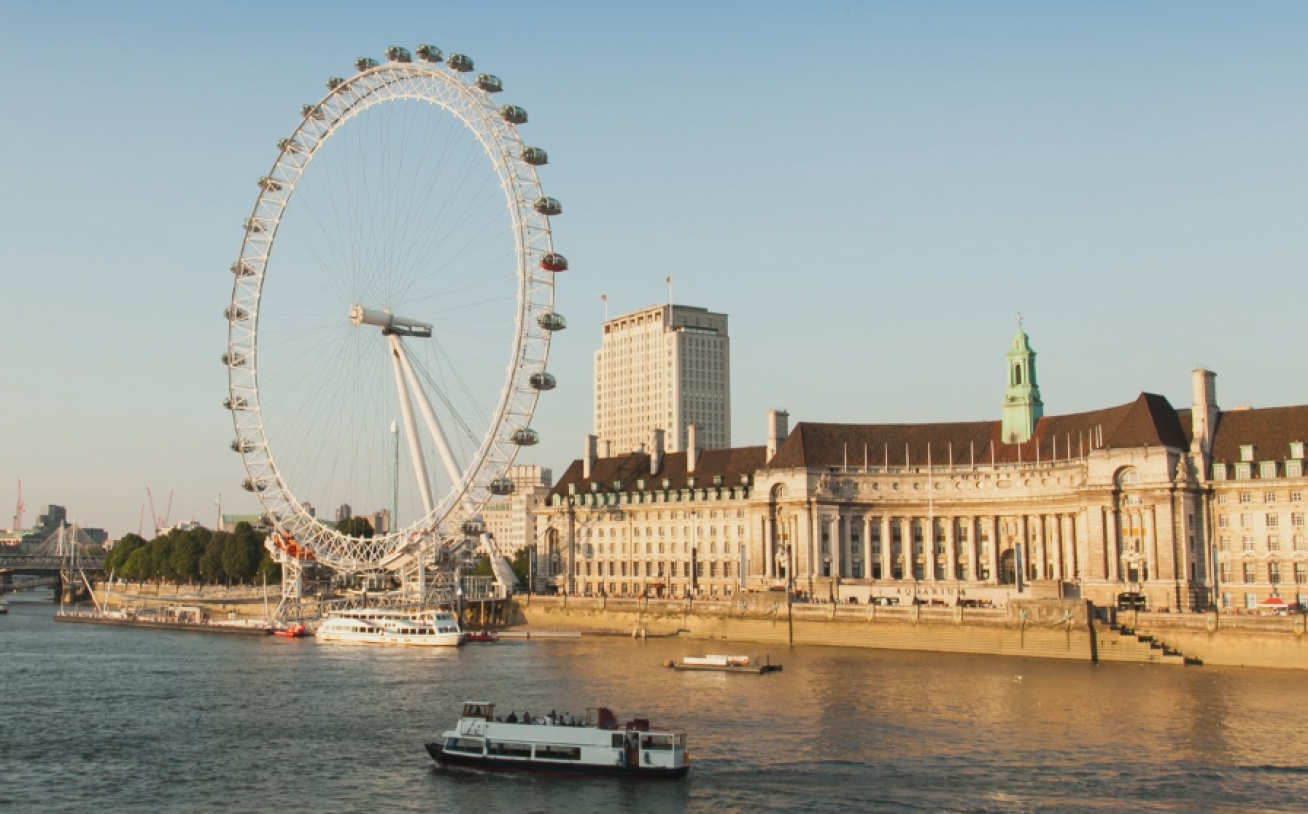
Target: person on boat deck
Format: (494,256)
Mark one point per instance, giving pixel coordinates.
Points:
(512,719)
(551,718)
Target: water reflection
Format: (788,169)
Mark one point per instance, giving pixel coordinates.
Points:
(147,720)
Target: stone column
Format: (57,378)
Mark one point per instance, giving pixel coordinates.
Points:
(1040,561)
(1112,541)
(867,547)
(1096,544)
(951,555)
(1150,541)
(906,547)
(973,549)
(885,547)
(837,546)
(929,549)
(994,549)
(769,549)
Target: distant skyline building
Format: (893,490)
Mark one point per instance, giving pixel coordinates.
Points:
(381,521)
(510,519)
(664,367)
(343,512)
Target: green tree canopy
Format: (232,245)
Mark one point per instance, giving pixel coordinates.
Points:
(211,560)
(355,527)
(121,551)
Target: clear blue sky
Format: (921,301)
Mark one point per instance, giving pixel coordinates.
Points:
(871,190)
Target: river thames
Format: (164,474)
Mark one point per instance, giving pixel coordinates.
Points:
(111,719)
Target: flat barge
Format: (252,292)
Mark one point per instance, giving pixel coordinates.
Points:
(725,664)
(162,624)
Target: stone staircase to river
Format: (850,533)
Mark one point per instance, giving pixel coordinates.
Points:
(1120,643)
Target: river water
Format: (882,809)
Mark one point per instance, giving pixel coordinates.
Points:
(111,719)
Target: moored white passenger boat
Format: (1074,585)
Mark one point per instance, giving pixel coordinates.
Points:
(560,744)
(382,626)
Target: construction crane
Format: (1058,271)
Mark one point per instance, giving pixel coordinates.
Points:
(159,522)
(18,510)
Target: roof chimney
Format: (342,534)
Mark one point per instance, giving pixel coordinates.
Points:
(778,429)
(607,449)
(1203,413)
(588,456)
(656,452)
(691,451)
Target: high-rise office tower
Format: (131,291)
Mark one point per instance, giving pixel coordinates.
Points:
(663,367)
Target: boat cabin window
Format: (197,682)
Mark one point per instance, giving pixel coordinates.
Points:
(464,745)
(618,740)
(508,749)
(486,711)
(552,752)
(656,742)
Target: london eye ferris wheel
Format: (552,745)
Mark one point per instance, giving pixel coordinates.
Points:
(405,313)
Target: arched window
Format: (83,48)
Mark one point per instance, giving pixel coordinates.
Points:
(1017,374)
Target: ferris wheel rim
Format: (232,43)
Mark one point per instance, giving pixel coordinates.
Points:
(494,130)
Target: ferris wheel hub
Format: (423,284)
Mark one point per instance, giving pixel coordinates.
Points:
(388,322)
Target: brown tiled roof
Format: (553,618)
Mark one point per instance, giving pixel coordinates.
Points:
(1270,430)
(731,464)
(1148,421)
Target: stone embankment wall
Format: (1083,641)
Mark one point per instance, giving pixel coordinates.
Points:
(1041,629)
(1227,639)
(1037,628)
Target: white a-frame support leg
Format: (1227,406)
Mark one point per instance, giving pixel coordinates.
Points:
(442,446)
(410,429)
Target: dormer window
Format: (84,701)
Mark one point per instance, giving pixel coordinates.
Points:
(1246,452)
(1296,449)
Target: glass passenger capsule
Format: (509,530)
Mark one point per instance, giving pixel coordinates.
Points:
(241,269)
(311,112)
(429,53)
(252,225)
(489,83)
(551,321)
(459,62)
(501,486)
(251,485)
(525,437)
(548,206)
(269,184)
(237,403)
(535,156)
(554,262)
(334,82)
(541,380)
(233,360)
(513,114)
(398,53)
(365,63)
(473,527)
(235,314)
(242,445)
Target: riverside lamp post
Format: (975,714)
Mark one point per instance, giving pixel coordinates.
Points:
(783,563)
(826,571)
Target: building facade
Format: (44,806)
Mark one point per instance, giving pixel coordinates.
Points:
(1185,508)
(510,518)
(664,367)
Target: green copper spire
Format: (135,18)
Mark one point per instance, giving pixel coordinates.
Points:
(1022,404)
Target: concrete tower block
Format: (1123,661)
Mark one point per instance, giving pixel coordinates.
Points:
(778,429)
(1203,412)
(656,452)
(692,449)
(588,456)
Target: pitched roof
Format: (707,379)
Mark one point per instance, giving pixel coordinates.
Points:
(1148,421)
(1270,430)
(730,464)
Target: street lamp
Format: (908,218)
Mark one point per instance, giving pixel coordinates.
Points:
(783,563)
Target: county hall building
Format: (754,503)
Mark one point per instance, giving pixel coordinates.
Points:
(1179,508)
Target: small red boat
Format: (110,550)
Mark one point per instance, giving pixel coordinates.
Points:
(480,636)
(291,631)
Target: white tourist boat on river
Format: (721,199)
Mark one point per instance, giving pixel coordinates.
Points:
(382,626)
(560,744)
